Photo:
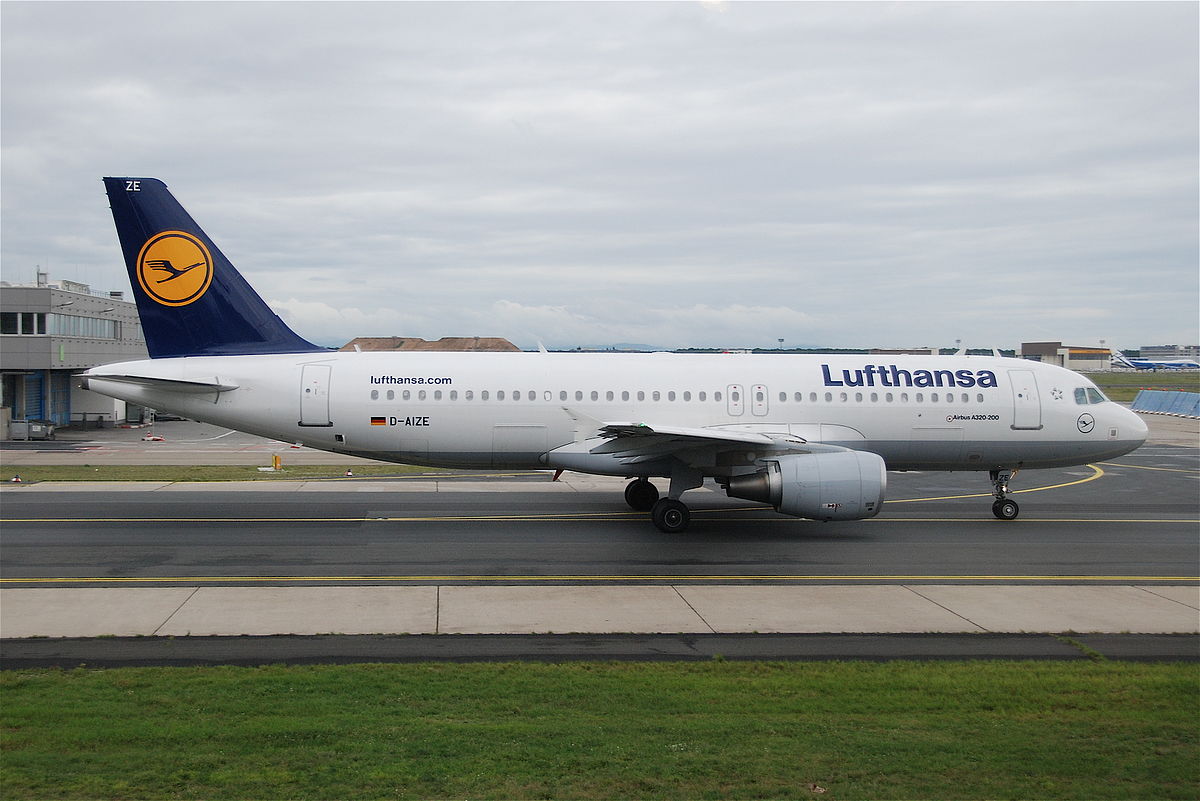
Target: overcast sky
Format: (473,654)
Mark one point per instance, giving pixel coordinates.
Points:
(675,174)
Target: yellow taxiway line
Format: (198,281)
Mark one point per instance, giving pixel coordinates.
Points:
(580,578)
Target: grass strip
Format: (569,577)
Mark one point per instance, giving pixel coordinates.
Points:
(933,730)
(1123,387)
(149,472)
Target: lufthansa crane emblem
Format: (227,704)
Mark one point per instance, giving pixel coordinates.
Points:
(1086,423)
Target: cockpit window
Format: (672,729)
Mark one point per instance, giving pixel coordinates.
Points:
(1095,395)
(1081,396)
(1089,395)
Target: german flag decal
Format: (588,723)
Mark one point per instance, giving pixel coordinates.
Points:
(379,421)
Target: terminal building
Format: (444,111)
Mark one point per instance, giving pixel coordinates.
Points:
(1169,352)
(50,332)
(1072,357)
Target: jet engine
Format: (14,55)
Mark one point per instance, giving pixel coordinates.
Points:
(837,485)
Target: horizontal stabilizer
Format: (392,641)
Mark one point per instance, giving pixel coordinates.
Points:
(168,384)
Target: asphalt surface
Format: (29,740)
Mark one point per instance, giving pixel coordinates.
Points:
(1133,521)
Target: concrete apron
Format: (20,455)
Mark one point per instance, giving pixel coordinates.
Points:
(625,609)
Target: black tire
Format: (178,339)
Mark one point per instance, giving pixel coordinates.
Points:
(641,495)
(670,516)
(1006,509)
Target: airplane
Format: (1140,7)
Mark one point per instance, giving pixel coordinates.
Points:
(811,435)
(1121,360)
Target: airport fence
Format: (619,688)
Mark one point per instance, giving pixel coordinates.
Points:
(1176,404)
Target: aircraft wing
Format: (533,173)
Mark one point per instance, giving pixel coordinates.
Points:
(641,442)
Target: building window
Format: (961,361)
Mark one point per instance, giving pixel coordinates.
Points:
(26,323)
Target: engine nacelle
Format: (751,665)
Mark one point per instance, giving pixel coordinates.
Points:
(842,485)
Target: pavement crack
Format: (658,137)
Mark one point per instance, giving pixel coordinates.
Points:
(943,606)
(1151,591)
(176,611)
(695,611)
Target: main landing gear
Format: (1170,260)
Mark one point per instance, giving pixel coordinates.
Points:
(1004,508)
(669,514)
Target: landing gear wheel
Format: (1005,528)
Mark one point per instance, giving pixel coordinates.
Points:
(641,495)
(1006,509)
(671,516)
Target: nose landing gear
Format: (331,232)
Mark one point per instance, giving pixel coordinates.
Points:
(1004,507)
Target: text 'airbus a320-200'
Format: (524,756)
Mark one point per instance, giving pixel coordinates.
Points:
(811,435)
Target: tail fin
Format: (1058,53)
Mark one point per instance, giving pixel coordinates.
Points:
(191,300)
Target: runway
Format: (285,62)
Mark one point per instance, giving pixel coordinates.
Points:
(1133,521)
(1104,548)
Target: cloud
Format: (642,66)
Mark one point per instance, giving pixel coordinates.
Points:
(674,174)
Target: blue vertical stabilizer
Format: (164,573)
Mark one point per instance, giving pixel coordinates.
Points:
(190,298)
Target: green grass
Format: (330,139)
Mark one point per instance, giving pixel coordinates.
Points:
(148,472)
(1123,387)
(1086,730)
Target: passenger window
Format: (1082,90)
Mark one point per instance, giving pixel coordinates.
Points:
(858,397)
(812,397)
(655,396)
(843,397)
(406,395)
(548,395)
(799,397)
(671,395)
(874,397)
(437,394)
(920,397)
(904,397)
(641,395)
(687,396)
(562,395)
(374,394)
(624,394)
(500,394)
(783,397)
(717,397)
(454,394)
(759,397)
(578,395)
(933,397)
(421,395)
(888,397)
(595,395)
(829,397)
(483,394)
(609,395)
(735,396)
(516,394)
(469,394)
(701,397)
(966,398)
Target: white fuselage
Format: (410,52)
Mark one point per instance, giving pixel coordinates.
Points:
(513,410)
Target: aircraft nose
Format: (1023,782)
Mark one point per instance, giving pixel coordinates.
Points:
(1132,429)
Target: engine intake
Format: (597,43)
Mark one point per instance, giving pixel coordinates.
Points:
(843,485)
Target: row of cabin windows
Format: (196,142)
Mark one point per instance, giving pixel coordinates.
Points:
(672,396)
